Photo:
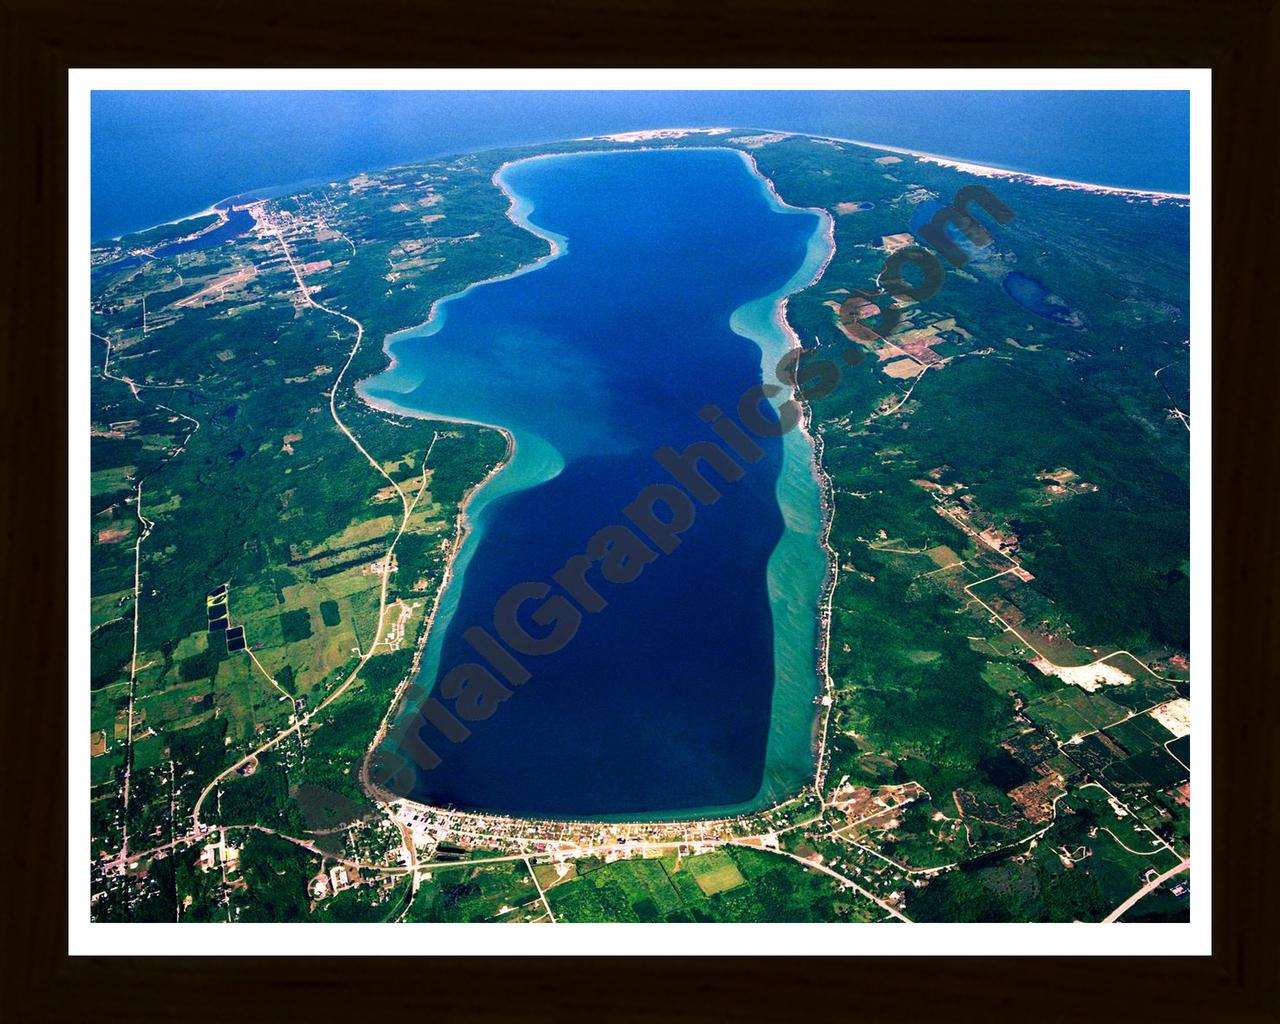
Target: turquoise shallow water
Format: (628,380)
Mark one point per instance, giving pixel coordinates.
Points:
(692,691)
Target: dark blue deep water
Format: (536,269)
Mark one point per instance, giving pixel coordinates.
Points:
(661,701)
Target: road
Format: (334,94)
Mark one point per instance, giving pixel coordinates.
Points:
(541,892)
(887,907)
(254,658)
(1150,887)
(144,531)
(907,396)
(408,505)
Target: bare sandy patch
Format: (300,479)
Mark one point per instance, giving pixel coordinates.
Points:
(663,133)
(1175,716)
(756,141)
(1089,678)
(903,369)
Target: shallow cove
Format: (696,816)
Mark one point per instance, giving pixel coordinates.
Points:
(692,692)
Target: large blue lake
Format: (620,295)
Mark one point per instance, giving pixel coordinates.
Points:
(694,689)
(160,155)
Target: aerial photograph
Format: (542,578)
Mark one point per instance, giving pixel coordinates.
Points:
(557,507)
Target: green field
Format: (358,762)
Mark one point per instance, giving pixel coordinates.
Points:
(731,885)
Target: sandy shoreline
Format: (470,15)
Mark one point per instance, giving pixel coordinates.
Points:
(827,510)
(956,163)
(462,529)
(517,218)
(1026,177)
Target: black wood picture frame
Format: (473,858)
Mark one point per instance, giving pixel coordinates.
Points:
(1238,39)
